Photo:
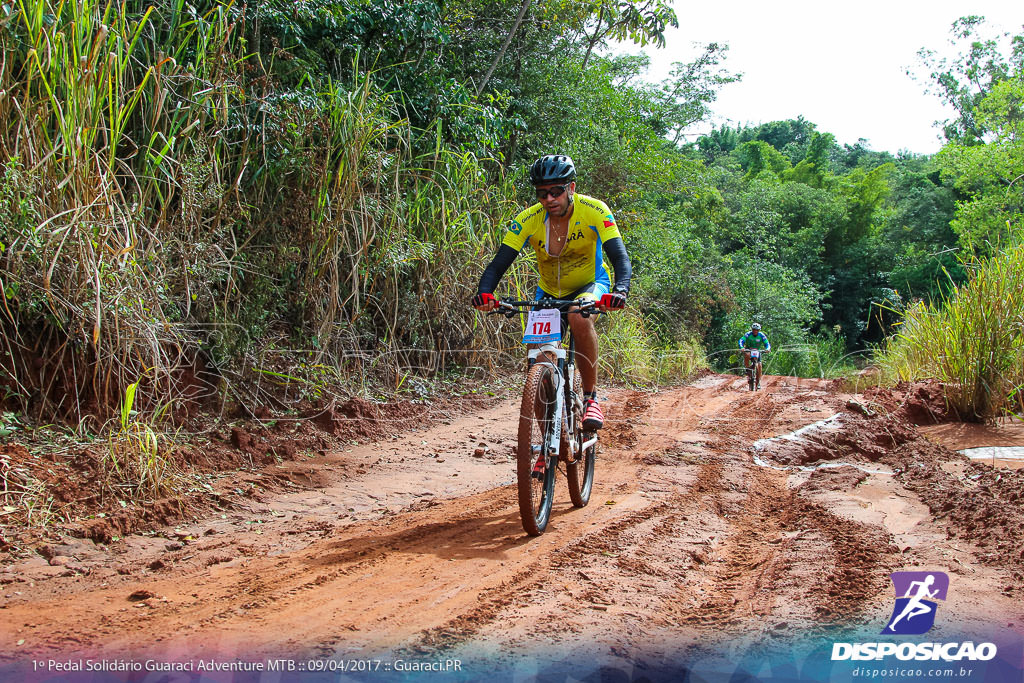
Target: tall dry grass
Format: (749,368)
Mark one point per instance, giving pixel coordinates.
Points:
(168,209)
(92,154)
(631,353)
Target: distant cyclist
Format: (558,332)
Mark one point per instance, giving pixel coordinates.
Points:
(568,233)
(755,339)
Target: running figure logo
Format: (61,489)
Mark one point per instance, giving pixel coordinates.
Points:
(916,593)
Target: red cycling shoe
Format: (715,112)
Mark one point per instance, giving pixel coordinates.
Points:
(538,467)
(593,418)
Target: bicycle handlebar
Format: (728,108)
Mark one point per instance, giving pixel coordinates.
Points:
(587,307)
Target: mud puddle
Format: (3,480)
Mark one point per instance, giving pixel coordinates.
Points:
(1010,457)
(999,446)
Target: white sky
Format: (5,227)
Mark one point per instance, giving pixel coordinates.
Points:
(842,65)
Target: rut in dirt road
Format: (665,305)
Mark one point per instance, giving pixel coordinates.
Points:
(685,538)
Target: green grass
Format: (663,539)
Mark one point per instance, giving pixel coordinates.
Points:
(824,356)
(137,464)
(972,341)
(631,353)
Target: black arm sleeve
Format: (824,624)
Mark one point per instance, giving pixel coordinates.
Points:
(616,251)
(496,269)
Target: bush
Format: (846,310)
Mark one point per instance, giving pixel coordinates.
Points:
(822,356)
(972,341)
(631,353)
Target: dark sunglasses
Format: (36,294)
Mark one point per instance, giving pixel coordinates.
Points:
(555,192)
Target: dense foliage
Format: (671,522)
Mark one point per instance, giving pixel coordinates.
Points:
(973,339)
(190,187)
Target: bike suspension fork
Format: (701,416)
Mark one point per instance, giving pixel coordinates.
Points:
(553,353)
(556,422)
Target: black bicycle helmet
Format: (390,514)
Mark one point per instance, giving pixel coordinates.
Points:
(553,168)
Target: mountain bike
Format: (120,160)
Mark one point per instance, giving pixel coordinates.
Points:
(752,371)
(551,412)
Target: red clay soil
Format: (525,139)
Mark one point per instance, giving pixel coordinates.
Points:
(703,525)
(979,503)
(920,403)
(239,461)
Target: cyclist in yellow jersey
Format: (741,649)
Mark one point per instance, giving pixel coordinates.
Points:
(570,234)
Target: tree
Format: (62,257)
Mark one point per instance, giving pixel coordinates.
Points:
(965,80)
(692,87)
(718,142)
(762,161)
(916,244)
(791,137)
(504,46)
(990,177)
(641,22)
(813,169)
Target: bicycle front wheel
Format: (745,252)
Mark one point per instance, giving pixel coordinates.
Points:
(535,466)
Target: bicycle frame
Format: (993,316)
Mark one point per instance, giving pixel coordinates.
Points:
(564,366)
(755,365)
(550,427)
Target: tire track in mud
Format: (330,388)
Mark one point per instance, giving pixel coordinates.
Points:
(740,571)
(655,549)
(347,562)
(568,564)
(577,570)
(278,589)
(650,549)
(759,543)
(738,582)
(520,592)
(860,556)
(781,548)
(683,535)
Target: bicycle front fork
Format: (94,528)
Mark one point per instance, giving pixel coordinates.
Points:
(551,351)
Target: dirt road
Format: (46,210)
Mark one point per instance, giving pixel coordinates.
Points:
(706,536)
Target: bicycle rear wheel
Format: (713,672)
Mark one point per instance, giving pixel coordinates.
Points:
(580,474)
(535,422)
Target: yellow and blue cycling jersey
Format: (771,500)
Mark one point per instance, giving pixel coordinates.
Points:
(581,261)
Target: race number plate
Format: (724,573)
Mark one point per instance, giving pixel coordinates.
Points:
(543,326)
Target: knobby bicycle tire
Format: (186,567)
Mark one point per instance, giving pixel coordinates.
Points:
(535,497)
(580,474)
(581,477)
